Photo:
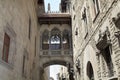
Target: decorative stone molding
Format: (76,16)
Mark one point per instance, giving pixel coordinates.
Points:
(7,65)
(104,39)
(117,34)
(116,20)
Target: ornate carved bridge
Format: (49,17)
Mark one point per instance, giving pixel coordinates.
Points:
(55,39)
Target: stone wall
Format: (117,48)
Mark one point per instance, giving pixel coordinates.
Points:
(84,44)
(15,18)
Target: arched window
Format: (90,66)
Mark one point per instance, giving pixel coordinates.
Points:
(66,40)
(105,47)
(107,57)
(45,40)
(90,72)
(95,8)
(55,39)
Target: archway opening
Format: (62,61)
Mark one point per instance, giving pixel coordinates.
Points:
(55,39)
(66,39)
(58,70)
(90,72)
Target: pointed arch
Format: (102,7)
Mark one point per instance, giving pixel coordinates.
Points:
(66,39)
(55,39)
(45,40)
(90,71)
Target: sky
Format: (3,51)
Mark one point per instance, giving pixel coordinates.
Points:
(54,4)
(54,70)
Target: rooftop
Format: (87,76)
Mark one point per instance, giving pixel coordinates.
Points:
(51,15)
(55,18)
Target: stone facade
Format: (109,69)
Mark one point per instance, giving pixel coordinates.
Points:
(16,17)
(19,20)
(94,55)
(63,74)
(47,55)
(95,39)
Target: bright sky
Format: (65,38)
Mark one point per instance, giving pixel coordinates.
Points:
(54,70)
(54,4)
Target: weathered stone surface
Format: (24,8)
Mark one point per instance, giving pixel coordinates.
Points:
(85,47)
(14,20)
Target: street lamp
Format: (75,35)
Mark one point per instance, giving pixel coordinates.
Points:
(78,65)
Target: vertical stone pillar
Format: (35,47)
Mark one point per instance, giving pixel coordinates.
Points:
(49,42)
(40,42)
(61,41)
(70,42)
(41,71)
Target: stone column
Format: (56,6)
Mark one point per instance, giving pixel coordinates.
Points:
(70,42)
(41,71)
(61,41)
(49,35)
(40,42)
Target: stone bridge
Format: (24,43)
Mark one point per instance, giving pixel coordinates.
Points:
(55,39)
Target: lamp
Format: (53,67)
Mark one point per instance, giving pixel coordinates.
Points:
(78,65)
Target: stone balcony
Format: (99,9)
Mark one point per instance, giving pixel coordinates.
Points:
(56,52)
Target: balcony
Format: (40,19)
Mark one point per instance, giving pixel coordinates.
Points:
(56,52)
(103,40)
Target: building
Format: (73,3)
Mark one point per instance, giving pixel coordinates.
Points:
(63,74)
(21,54)
(47,73)
(51,78)
(84,36)
(18,27)
(18,39)
(95,30)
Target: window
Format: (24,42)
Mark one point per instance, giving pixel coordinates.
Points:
(108,60)
(90,72)
(55,42)
(35,46)
(66,40)
(55,39)
(96,8)
(45,40)
(6,47)
(84,22)
(84,16)
(23,67)
(29,34)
